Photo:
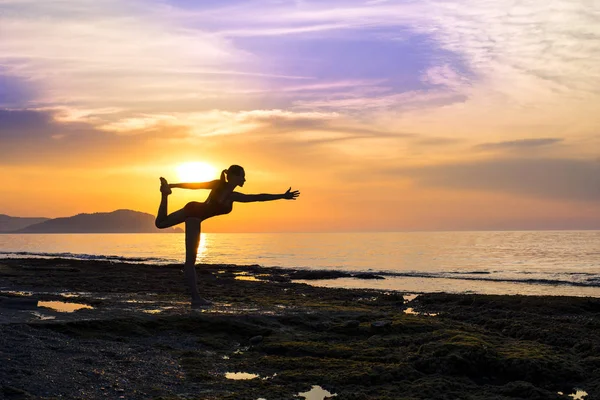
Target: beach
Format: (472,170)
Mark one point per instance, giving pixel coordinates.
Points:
(270,334)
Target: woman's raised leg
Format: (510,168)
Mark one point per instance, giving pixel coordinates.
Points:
(162,219)
(192,240)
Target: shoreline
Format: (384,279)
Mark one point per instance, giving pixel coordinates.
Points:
(140,339)
(457,282)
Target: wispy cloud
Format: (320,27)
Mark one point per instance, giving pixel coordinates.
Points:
(110,54)
(437,141)
(519,144)
(92,52)
(557,179)
(525,49)
(142,55)
(218,122)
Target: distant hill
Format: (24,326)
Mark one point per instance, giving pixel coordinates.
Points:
(119,221)
(8,223)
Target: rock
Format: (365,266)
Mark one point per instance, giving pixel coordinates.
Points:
(367,275)
(278,278)
(323,325)
(13,392)
(51,268)
(256,339)
(352,324)
(374,339)
(21,303)
(319,274)
(381,324)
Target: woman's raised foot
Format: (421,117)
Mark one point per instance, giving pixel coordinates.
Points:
(164,186)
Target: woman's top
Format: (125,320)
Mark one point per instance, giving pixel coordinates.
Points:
(211,207)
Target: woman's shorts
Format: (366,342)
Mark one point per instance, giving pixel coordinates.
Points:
(195,209)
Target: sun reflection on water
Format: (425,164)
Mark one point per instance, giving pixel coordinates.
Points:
(202,246)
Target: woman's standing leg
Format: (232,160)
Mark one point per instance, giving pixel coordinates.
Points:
(192,240)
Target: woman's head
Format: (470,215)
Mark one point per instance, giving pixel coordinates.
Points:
(235,174)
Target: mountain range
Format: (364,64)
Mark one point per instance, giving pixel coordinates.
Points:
(119,221)
(8,223)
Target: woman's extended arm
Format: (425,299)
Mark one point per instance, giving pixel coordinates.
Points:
(196,185)
(249,198)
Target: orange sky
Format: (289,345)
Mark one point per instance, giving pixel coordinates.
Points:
(386,115)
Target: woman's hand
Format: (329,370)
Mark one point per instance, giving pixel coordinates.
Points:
(289,195)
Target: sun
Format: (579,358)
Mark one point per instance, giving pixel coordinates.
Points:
(196,172)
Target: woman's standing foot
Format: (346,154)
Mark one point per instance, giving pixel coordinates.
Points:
(200,302)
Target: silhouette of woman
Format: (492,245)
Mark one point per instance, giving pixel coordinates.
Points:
(219,201)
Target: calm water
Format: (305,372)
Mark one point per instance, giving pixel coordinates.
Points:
(524,262)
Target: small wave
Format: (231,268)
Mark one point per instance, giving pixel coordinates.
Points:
(591,282)
(469,272)
(75,256)
(563,273)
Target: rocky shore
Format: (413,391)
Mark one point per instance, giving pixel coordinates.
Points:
(133,336)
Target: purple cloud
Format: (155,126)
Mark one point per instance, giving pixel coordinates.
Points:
(14,92)
(367,55)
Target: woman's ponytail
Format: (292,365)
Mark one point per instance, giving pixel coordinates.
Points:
(223,175)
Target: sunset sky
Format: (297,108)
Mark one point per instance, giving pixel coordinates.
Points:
(387,115)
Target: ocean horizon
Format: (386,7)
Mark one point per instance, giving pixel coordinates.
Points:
(490,262)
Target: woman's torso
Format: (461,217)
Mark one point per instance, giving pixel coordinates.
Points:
(217,203)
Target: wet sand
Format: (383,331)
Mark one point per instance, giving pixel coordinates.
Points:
(129,333)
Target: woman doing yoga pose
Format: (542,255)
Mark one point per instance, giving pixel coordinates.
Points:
(219,201)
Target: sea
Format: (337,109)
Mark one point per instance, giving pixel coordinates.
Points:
(560,263)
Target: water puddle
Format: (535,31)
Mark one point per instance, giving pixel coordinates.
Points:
(247,278)
(17,292)
(42,317)
(241,350)
(74,294)
(139,301)
(245,375)
(411,311)
(224,308)
(316,393)
(410,297)
(240,376)
(157,310)
(367,299)
(62,306)
(579,394)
